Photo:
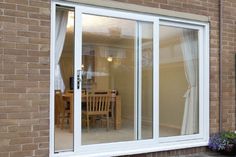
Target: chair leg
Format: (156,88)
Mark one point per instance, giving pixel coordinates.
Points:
(107,121)
(63,120)
(87,123)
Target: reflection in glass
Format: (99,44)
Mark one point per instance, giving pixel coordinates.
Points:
(108,52)
(64,62)
(179,100)
(147,81)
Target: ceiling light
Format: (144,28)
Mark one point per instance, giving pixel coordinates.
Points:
(109,59)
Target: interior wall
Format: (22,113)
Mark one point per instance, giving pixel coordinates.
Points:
(102,69)
(122,79)
(173,86)
(147,99)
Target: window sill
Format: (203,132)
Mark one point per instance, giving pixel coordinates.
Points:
(146,149)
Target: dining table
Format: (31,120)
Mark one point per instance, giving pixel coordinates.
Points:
(115,99)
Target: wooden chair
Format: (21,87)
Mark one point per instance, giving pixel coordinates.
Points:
(96,105)
(61,112)
(110,93)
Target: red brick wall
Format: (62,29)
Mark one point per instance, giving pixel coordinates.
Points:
(24,71)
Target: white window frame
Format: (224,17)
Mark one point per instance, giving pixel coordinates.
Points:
(141,146)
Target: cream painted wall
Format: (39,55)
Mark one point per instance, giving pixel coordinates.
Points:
(147,88)
(122,79)
(173,86)
(102,69)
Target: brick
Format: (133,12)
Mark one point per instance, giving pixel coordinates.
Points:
(21,46)
(26,21)
(15,39)
(27,34)
(9,148)
(6,83)
(39,28)
(29,134)
(27,8)
(14,26)
(21,153)
(39,16)
(30,147)
(38,41)
(15,13)
(19,116)
(41,139)
(43,145)
(21,141)
(39,4)
(14,90)
(7,45)
(10,51)
(26,84)
(7,6)
(25,128)
(6,154)
(25,2)
(7,19)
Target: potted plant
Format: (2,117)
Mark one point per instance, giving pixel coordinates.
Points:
(224,143)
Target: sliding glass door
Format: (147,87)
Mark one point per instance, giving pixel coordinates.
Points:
(108,77)
(122,81)
(116,64)
(106,66)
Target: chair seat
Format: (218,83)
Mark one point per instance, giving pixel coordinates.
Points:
(95,113)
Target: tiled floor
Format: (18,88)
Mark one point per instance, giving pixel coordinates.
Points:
(97,135)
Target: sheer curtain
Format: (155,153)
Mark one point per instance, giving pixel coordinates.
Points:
(61,23)
(189,48)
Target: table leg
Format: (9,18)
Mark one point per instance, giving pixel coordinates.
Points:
(117,119)
(71,113)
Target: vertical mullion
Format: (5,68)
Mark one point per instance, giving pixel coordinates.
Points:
(139,107)
(77,67)
(206,73)
(156,80)
(52,56)
(200,77)
(136,82)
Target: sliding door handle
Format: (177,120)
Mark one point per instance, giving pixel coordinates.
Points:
(79,78)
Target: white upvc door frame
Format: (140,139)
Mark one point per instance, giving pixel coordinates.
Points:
(128,145)
(139,146)
(203,78)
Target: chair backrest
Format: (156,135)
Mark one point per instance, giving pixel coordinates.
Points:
(59,101)
(97,103)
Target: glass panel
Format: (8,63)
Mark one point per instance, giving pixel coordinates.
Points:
(64,71)
(147,79)
(179,100)
(108,61)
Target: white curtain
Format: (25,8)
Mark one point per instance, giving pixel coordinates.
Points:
(61,23)
(189,46)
